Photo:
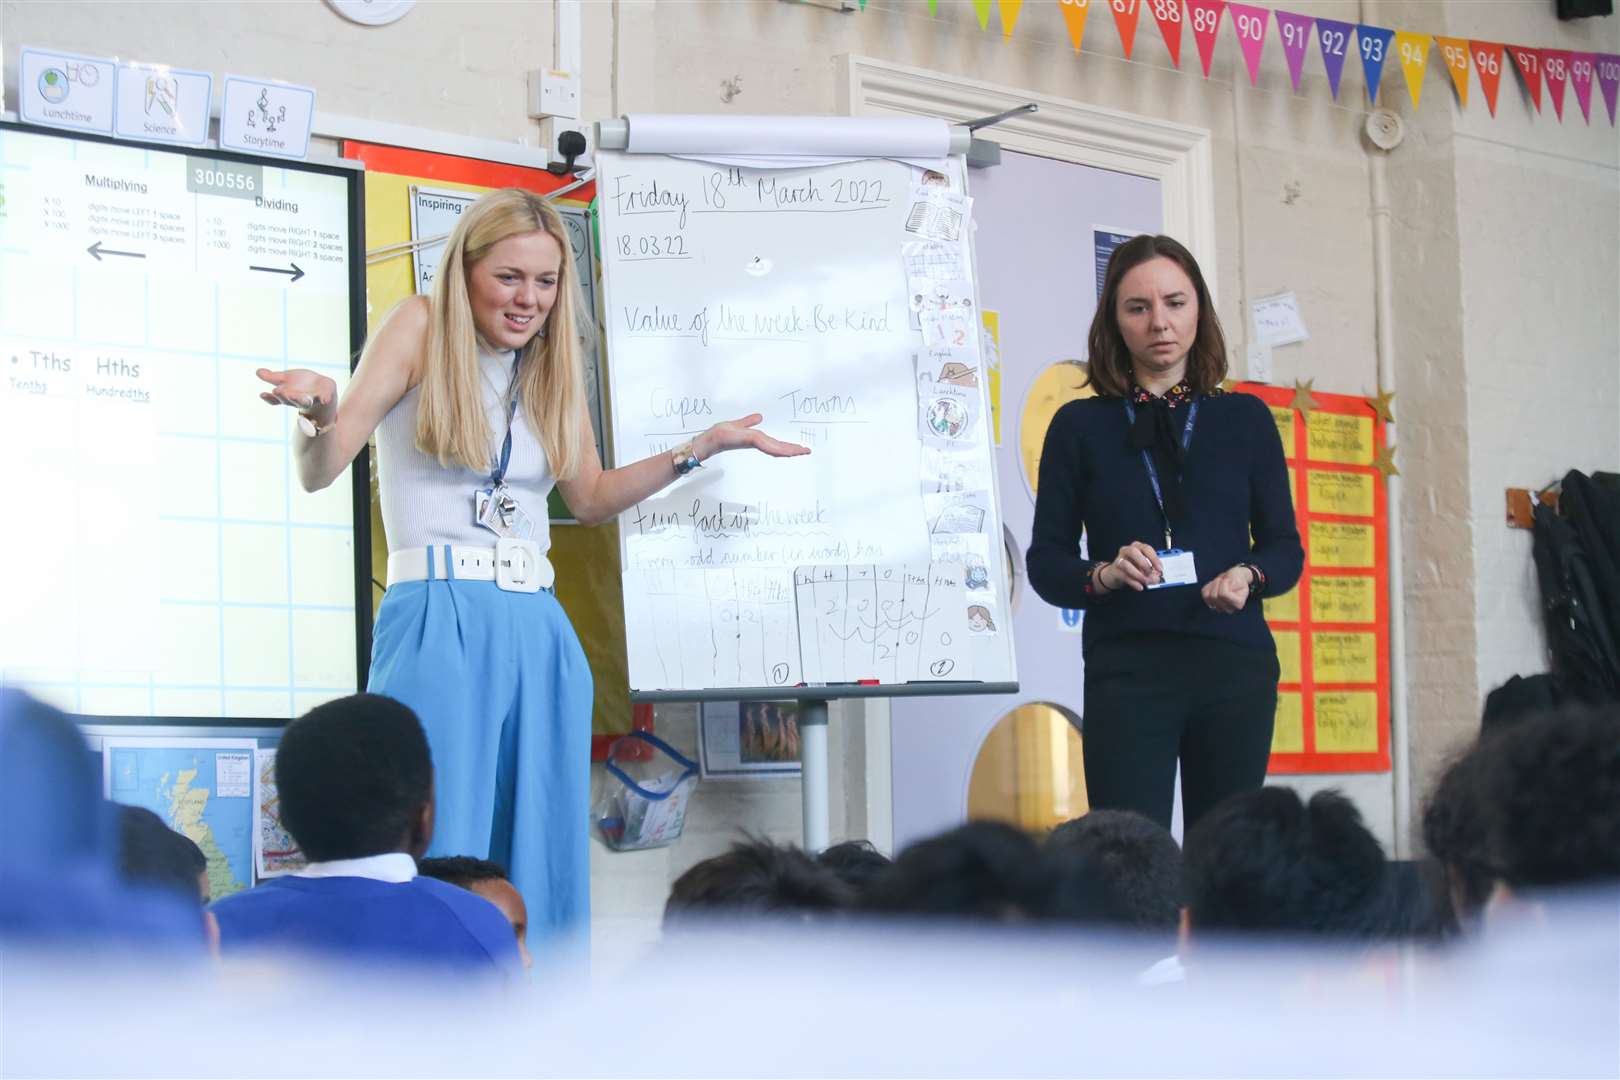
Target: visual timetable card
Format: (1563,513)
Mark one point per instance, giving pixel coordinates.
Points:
(1332,629)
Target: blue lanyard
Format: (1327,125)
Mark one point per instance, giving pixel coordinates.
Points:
(499,475)
(1147,459)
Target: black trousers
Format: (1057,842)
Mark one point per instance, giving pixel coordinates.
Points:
(1151,699)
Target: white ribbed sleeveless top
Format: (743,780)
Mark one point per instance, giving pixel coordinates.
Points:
(425,503)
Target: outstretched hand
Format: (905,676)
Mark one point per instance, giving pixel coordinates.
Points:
(305,390)
(742,434)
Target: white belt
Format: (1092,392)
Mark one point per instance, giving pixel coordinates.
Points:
(514,565)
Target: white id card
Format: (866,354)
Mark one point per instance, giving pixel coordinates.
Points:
(1178,568)
(497,511)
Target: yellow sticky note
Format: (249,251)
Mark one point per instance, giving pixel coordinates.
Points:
(1346,721)
(1284,419)
(1347,440)
(1344,657)
(1343,599)
(1288,732)
(1293,485)
(1339,492)
(1287,655)
(1338,544)
(1284,608)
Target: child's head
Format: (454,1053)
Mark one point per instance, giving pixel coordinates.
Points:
(1266,862)
(984,870)
(1532,807)
(855,862)
(356,779)
(489,880)
(756,877)
(1136,861)
(151,853)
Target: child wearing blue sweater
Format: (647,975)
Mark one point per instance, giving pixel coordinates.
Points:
(356,784)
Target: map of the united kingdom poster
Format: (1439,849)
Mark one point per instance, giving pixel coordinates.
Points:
(200,787)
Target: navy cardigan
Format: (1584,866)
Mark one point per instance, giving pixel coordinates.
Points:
(1235,485)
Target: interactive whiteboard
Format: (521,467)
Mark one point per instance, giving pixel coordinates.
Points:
(162,559)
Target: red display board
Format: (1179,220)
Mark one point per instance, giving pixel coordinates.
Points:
(1332,629)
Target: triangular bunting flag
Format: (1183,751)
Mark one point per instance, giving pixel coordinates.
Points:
(933,7)
(1374,44)
(1413,51)
(1250,24)
(1126,12)
(1074,17)
(1334,38)
(1582,66)
(1296,34)
(1488,62)
(1167,13)
(1608,75)
(1206,21)
(981,8)
(1529,61)
(1555,73)
(1454,51)
(1009,15)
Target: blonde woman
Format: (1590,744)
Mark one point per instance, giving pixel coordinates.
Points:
(477,399)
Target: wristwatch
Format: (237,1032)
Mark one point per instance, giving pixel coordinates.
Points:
(685,459)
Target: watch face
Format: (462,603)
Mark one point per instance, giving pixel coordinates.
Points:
(307,426)
(372,12)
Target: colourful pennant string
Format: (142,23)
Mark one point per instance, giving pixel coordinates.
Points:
(1074,17)
(1296,34)
(1373,44)
(1488,61)
(1334,38)
(1250,23)
(1206,23)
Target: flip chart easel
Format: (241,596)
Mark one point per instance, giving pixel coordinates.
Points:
(818,271)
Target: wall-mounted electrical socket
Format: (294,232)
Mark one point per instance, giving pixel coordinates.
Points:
(553,93)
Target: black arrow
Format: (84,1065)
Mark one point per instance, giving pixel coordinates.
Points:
(98,251)
(295,272)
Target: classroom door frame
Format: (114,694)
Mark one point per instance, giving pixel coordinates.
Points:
(1178,156)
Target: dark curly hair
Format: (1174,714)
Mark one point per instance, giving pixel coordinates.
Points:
(1136,860)
(1264,861)
(1551,789)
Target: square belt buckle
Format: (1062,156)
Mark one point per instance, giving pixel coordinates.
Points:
(517,565)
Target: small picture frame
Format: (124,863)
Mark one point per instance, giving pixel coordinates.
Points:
(740,739)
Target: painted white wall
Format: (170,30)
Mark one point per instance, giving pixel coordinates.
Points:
(1540,243)
(453,67)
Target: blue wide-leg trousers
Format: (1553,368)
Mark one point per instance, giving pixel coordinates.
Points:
(504,691)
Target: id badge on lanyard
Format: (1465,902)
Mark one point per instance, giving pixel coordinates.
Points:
(494,507)
(1180,567)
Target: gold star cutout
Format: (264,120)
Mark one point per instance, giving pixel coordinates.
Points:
(1381,404)
(1303,401)
(1384,462)
(1229,385)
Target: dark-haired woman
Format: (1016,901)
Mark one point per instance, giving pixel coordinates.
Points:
(1182,493)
